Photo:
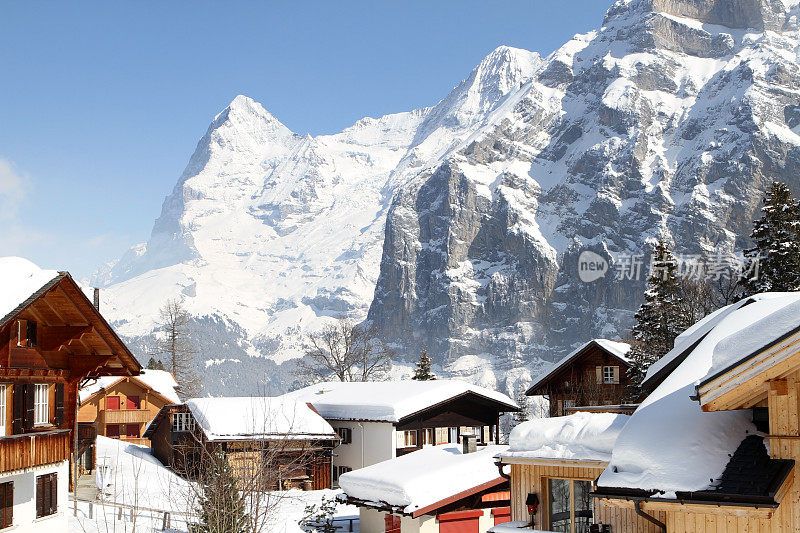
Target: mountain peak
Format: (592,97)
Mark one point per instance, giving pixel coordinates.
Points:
(244,109)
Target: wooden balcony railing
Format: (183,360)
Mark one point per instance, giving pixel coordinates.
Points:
(126,416)
(34,449)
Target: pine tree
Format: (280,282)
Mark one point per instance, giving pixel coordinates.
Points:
(776,239)
(221,506)
(659,319)
(423,370)
(522,415)
(155,364)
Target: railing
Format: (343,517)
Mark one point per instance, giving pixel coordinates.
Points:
(135,440)
(34,449)
(126,416)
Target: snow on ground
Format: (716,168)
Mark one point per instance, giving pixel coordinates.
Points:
(130,476)
(581,436)
(387,401)
(423,477)
(20,278)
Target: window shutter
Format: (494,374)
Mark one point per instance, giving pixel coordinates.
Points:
(400,439)
(616,374)
(22,332)
(599,372)
(18,408)
(27,420)
(39,496)
(53,493)
(59,419)
(6,504)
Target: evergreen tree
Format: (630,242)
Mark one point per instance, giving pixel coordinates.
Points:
(423,370)
(660,318)
(221,508)
(522,415)
(776,239)
(155,364)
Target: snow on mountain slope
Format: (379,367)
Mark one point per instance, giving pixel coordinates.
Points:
(670,119)
(268,233)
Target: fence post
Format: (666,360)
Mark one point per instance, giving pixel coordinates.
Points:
(131,515)
(119,513)
(91,510)
(165,521)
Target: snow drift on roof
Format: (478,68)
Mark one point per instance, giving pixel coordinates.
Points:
(257,417)
(159,380)
(386,401)
(581,436)
(617,348)
(19,278)
(422,478)
(670,444)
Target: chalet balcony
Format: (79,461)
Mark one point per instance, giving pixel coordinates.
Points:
(34,449)
(125,416)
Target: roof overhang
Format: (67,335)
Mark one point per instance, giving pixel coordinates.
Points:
(753,378)
(544,461)
(648,504)
(501,406)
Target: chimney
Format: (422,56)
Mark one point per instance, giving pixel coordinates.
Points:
(469,443)
(97,298)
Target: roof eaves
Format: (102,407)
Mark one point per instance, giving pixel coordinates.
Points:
(32,298)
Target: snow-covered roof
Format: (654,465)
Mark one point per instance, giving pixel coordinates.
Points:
(577,437)
(387,401)
(615,348)
(245,418)
(422,478)
(159,380)
(670,444)
(19,279)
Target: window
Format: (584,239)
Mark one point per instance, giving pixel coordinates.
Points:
(564,516)
(391,523)
(182,422)
(6,504)
(611,375)
(3,390)
(26,333)
(339,470)
(112,403)
(346,435)
(478,432)
(407,439)
(567,405)
(429,436)
(132,402)
(112,431)
(452,435)
(46,495)
(41,405)
(132,431)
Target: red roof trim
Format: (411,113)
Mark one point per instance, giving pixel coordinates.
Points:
(460,515)
(455,497)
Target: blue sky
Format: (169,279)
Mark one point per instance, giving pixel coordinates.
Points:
(101,104)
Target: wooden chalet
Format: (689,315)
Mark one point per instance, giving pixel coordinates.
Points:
(270,443)
(52,338)
(595,374)
(121,407)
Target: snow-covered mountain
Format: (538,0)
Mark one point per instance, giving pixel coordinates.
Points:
(267,234)
(458,226)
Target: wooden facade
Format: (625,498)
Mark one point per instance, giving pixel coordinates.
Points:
(592,376)
(49,344)
(122,410)
(276,464)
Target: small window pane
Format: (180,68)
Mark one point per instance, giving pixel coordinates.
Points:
(559,505)
(583,505)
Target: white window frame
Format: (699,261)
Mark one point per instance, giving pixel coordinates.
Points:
(41,404)
(407,434)
(429,437)
(3,412)
(182,422)
(452,435)
(608,375)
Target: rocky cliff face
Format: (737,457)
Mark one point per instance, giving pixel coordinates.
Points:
(669,120)
(459,226)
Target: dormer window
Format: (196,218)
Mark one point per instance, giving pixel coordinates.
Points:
(26,333)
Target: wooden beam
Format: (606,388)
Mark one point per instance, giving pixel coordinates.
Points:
(44,302)
(51,337)
(778,387)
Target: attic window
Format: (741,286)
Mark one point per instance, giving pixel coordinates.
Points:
(26,333)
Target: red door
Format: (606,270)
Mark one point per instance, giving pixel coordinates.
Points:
(112,431)
(392,523)
(132,402)
(501,515)
(132,431)
(112,403)
(459,522)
